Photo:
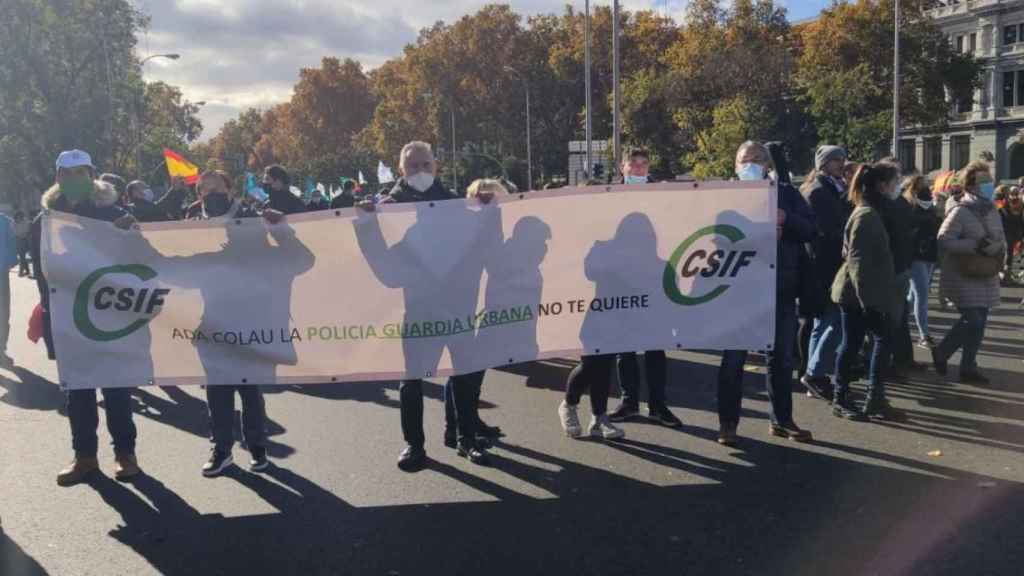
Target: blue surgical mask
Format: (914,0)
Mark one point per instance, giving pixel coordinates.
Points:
(987,190)
(750,171)
(631,179)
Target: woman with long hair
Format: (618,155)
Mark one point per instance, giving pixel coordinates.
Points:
(862,289)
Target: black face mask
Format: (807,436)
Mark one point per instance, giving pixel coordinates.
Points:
(216,204)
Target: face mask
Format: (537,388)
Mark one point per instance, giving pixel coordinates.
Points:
(76,188)
(147,195)
(420,181)
(987,190)
(773,175)
(216,204)
(749,171)
(631,179)
(926,204)
(892,193)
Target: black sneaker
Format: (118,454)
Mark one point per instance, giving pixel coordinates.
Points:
(941,366)
(450,439)
(259,462)
(790,431)
(662,415)
(818,387)
(880,409)
(413,459)
(474,454)
(217,464)
(485,431)
(624,412)
(973,377)
(843,407)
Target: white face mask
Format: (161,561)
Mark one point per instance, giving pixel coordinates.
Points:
(926,204)
(147,195)
(631,179)
(893,192)
(420,181)
(748,171)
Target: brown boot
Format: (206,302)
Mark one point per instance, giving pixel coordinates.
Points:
(126,467)
(80,469)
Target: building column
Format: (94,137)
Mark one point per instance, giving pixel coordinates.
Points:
(919,153)
(947,152)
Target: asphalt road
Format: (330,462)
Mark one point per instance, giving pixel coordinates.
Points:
(939,493)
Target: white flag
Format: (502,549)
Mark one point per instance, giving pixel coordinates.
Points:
(384,174)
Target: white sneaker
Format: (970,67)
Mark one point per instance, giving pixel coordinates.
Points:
(570,420)
(601,426)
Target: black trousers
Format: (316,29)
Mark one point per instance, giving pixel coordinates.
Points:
(656,365)
(221,400)
(84,418)
(593,373)
(410,394)
(461,414)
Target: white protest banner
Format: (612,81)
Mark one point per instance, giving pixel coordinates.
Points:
(413,291)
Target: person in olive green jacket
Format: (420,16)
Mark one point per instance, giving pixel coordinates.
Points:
(862,289)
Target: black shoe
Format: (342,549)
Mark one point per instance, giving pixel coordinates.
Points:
(485,431)
(662,415)
(842,407)
(790,431)
(484,443)
(450,439)
(217,464)
(258,462)
(474,454)
(879,409)
(624,412)
(818,387)
(413,459)
(973,377)
(941,366)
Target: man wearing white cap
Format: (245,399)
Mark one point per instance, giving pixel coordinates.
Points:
(76,192)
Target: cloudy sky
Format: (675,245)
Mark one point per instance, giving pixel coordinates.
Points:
(242,53)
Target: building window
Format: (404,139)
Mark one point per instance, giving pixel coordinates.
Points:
(1010,35)
(932,154)
(908,155)
(973,43)
(1008,89)
(960,154)
(959,43)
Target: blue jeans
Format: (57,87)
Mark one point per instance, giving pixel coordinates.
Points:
(920,284)
(780,372)
(856,323)
(967,334)
(825,338)
(84,418)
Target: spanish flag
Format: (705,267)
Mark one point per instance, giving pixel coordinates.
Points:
(177,167)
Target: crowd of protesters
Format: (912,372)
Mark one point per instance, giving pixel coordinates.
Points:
(858,247)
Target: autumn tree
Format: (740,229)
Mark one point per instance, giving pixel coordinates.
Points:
(846,73)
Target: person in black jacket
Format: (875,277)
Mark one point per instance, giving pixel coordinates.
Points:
(898,216)
(397,266)
(1012,213)
(277,183)
(926,252)
(827,197)
(346,198)
(796,227)
(140,202)
(636,166)
(75,192)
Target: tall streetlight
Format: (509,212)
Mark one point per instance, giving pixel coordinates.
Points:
(529,148)
(616,91)
(896,90)
(138,109)
(586,65)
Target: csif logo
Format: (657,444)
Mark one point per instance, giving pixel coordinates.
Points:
(144,301)
(720,263)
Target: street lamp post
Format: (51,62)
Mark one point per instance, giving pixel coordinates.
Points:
(586,66)
(896,89)
(529,147)
(138,109)
(616,91)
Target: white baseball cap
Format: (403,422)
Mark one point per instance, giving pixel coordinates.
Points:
(73,159)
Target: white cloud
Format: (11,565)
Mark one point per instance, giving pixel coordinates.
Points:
(242,53)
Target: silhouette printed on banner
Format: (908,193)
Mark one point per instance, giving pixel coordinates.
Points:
(625,266)
(264,307)
(438,264)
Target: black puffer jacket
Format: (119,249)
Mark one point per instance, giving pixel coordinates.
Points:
(926,237)
(831,211)
(898,216)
